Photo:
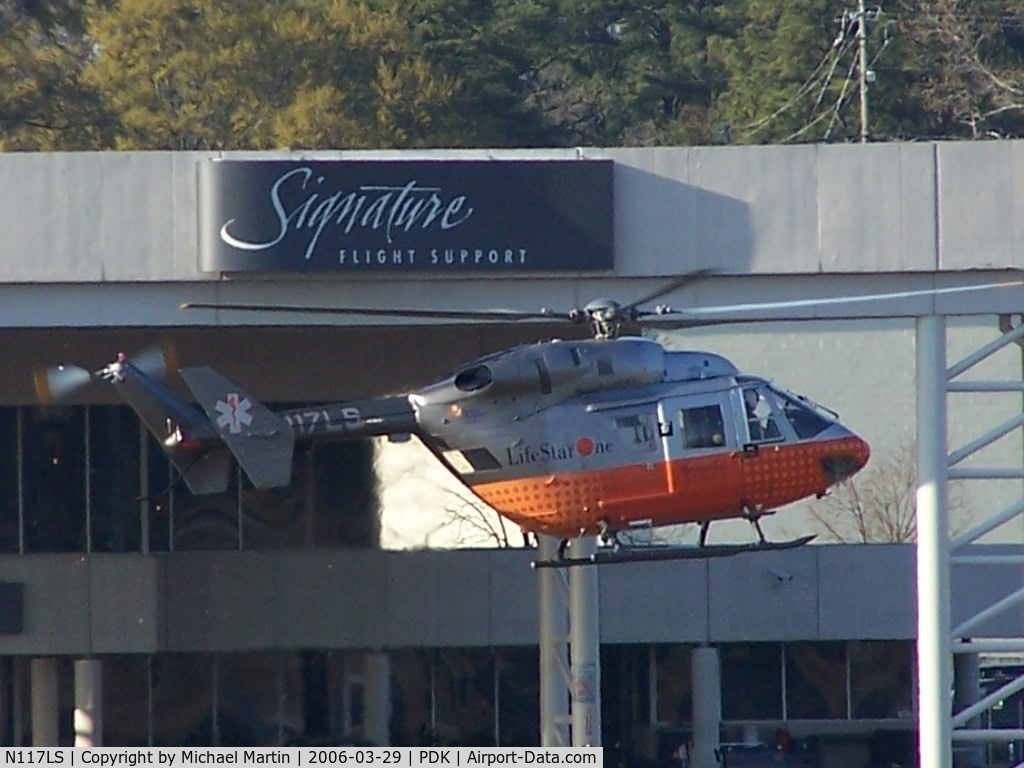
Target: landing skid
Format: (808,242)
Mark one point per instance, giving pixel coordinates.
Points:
(627,554)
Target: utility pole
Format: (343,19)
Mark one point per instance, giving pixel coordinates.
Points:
(862,53)
(853,24)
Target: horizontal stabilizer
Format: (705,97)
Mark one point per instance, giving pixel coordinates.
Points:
(261,441)
(206,472)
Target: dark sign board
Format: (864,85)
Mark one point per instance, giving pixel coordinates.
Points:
(12,608)
(405,216)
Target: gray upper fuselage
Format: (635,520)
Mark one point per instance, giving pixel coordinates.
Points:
(563,405)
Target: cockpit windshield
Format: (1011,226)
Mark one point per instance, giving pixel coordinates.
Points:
(807,419)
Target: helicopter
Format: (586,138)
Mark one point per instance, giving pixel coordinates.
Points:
(565,438)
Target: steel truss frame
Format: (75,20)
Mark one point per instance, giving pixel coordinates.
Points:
(938,640)
(570,647)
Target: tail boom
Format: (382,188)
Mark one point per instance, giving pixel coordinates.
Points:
(354,420)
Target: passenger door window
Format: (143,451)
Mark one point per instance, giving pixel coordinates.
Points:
(702,426)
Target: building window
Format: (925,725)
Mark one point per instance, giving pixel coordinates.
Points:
(816,685)
(751,681)
(92,479)
(674,683)
(115,485)
(53,479)
(881,679)
(10,505)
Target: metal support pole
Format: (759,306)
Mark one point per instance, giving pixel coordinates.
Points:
(707,706)
(584,648)
(933,616)
(553,630)
(377,698)
(967,691)
(45,731)
(88,703)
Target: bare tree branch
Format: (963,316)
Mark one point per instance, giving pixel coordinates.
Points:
(878,505)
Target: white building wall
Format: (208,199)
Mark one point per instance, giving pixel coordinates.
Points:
(126,217)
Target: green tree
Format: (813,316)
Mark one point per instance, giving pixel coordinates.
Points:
(786,79)
(959,70)
(639,73)
(248,74)
(595,73)
(43,103)
(494,48)
(936,69)
(261,74)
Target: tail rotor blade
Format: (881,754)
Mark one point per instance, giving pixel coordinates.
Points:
(55,384)
(156,361)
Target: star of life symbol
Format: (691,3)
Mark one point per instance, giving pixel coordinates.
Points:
(234,413)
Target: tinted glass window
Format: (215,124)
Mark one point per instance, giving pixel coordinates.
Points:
(761,416)
(9,529)
(816,681)
(806,421)
(702,427)
(115,484)
(54,479)
(751,681)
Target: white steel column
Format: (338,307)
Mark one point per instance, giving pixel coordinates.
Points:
(585,647)
(934,658)
(707,706)
(43,675)
(554,666)
(377,698)
(88,703)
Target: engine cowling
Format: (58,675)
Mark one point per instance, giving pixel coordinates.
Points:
(556,369)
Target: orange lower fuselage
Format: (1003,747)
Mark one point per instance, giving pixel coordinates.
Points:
(724,484)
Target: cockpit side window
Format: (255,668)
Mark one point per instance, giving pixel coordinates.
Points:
(761,416)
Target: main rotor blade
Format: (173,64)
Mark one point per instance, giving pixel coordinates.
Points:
(679,282)
(440,314)
(731,312)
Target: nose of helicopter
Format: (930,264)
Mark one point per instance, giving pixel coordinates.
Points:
(849,457)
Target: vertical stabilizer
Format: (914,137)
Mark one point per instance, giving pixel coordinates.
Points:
(261,441)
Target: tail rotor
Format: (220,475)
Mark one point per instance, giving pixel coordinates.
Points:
(61,382)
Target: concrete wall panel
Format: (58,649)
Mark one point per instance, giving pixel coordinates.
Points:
(512,584)
(867,592)
(877,208)
(975,588)
(328,598)
(667,601)
(981,204)
(221,601)
(124,603)
(57,610)
(367,599)
(439,600)
(768,596)
(132,217)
